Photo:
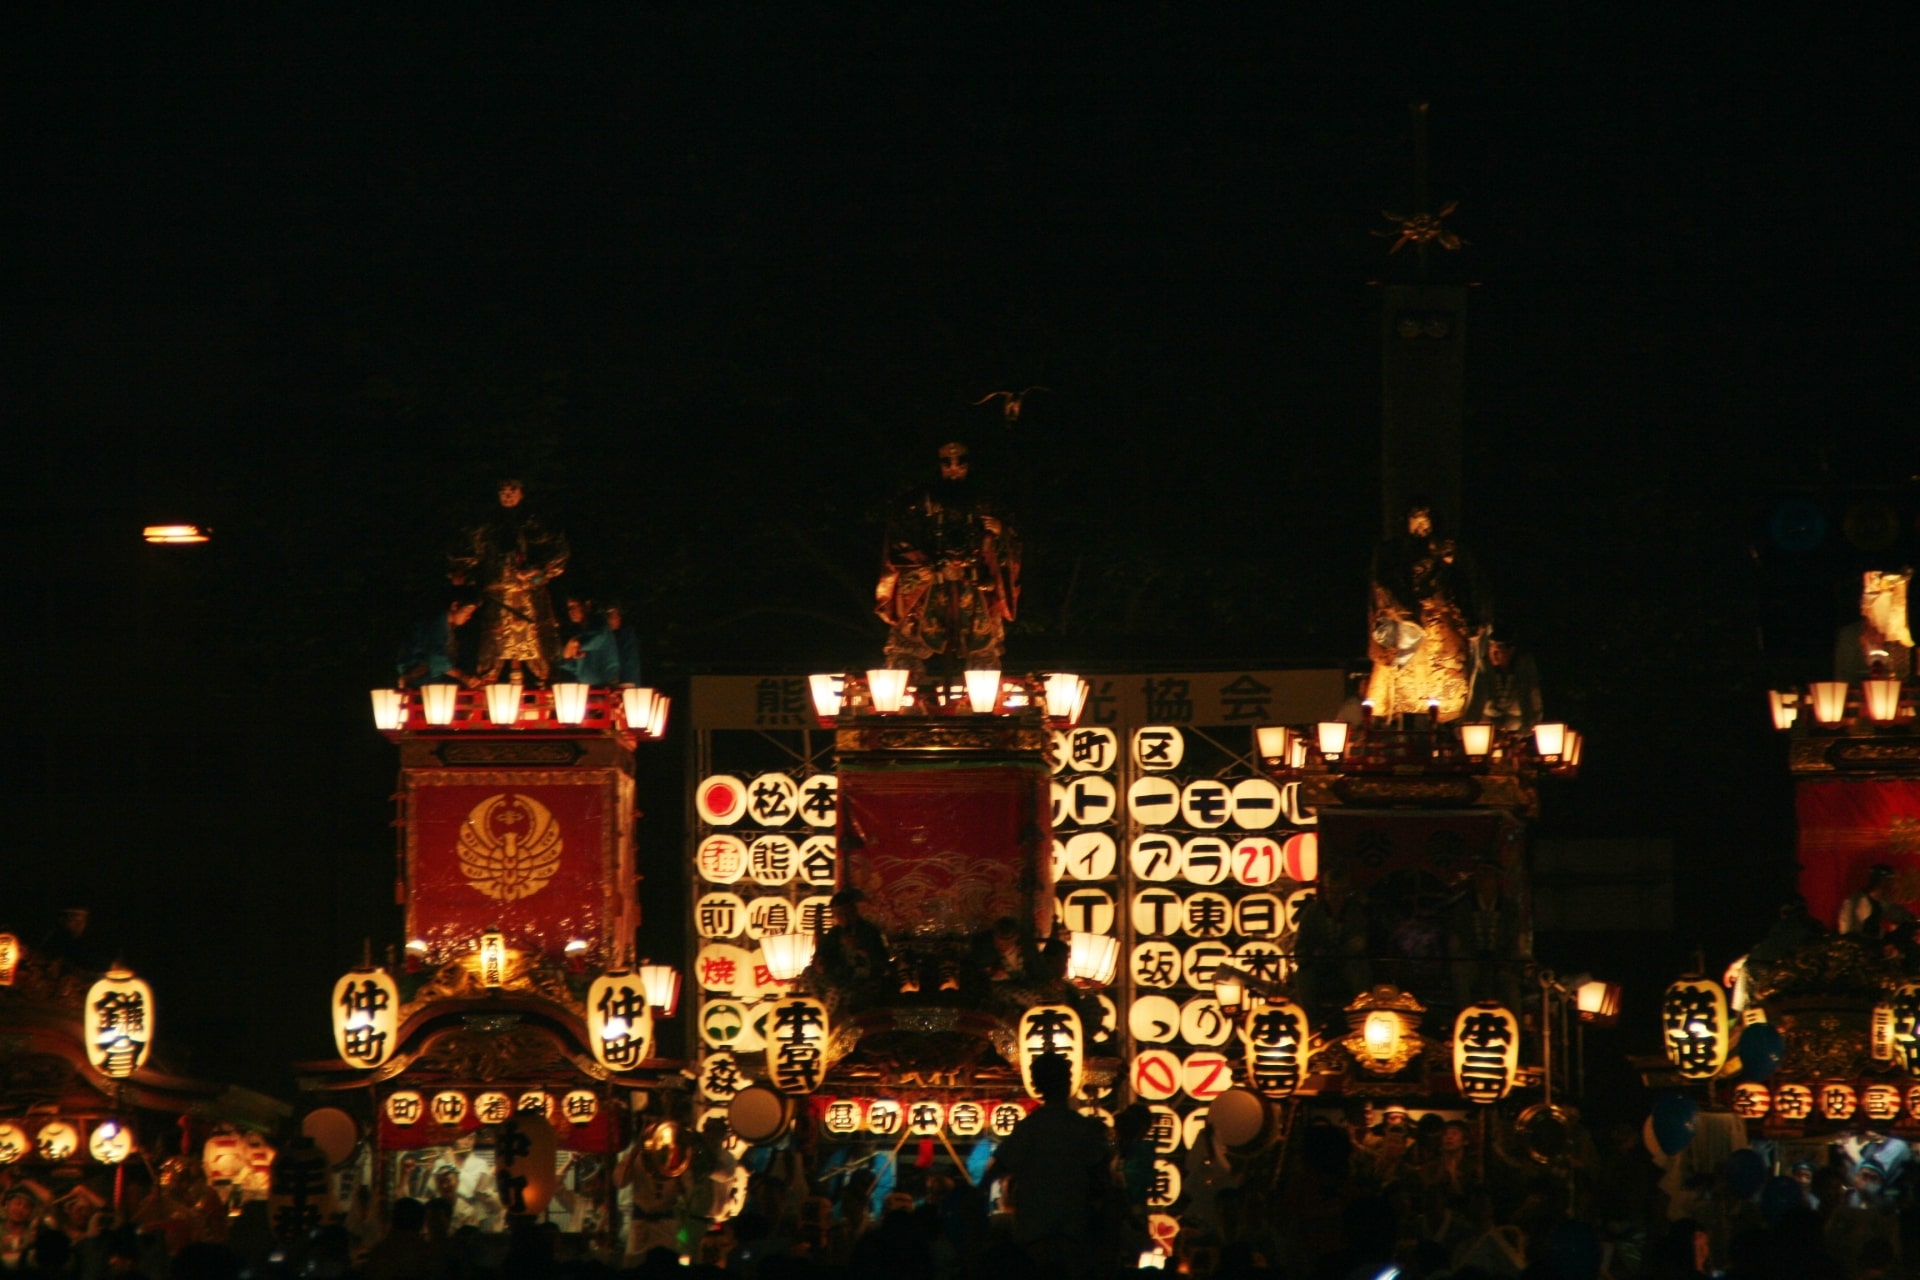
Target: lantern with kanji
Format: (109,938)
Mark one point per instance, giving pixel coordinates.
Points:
(1696,1027)
(884,1117)
(841,1116)
(14,1143)
(524,1169)
(1793,1101)
(925,1118)
(1050,1030)
(1752,1100)
(9,958)
(298,1194)
(111,1142)
(619,1021)
(57,1141)
(1277,1038)
(366,1016)
(1838,1101)
(1486,1051)
(405,1107)
(119,1023)
(1880,1102)
(1904,1013)
(966,1119)
(797,1044)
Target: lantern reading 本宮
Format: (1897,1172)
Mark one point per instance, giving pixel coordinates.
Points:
(1752,1100)
(9,958)
(366,1012)
(1486,1051)
(1793,1102)
(119,1023)
(405,1107)
(57,1141)
(1277,1043)
(111,1142)
(1050,1030)
(619,1021)
(1695,1024)
(797,1044)
(1838,1101)
(1880,1102)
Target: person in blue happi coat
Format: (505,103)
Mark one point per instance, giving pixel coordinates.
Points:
(433,651)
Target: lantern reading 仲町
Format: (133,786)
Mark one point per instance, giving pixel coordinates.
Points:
(1696,1025)
(619,1021)
(1050,1030)
(797,1044)
(1486,1051)
(1277,1044)
(119,1023)
(366,1010)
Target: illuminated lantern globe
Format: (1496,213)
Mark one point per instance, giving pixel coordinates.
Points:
(1913,1101)
(841,1116)
(1050,1030)
(619,1021)
(1905,1031)
(449,1108)
(1838,1101)
(1002,1117)
(57,1141)
(525,1172)
(1880,1103)
(405,1107)
(1695,1025)
(580,1106)
(966,1119)
(9,958)
(366,1017)
(1486,1051)
(493,1107)
(925,1118)
(1302,855)
(111,1142)
(536,1102)
(884,1117)
(14,1143)
(1277,1038)
(1752,1100)
(1793,1102)
(119,1023)
(1880,1032)
(225,1158)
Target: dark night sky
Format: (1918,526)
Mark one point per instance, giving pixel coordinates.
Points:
(709,277)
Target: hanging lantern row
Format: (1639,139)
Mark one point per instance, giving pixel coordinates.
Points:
(1876,1101)
(450,1108)
(922,1117)
(890,691)
(512,706)
(1827,700)
(57,1141)
(1552,745)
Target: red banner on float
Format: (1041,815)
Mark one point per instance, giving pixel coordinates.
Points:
(1847,827)
(947,849)
(540,855)
(1370,845)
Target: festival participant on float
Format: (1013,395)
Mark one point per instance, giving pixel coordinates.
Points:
(590,653)
(1059,1161)
(950,575)
(1506,689)
(433,652)
(853,950)
(1873,912)
(512,557)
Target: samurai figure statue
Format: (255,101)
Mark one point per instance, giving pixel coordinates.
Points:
(1430,615)
(950,574)
(511,558)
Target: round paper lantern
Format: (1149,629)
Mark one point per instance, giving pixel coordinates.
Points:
(405,1107)
(57,1141)
(111,1142)
(1486,1051)
(1792,1101)
(1752,1100)
(1838,1101)
(14,1143)
(333,1132)
(1240,1117)
(1302,856)
(1880,1102)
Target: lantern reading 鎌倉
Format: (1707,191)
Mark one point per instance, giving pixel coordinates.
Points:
(1880,1102)
(797,1043)
(1838,1101)
(619,1021)
(1752,1100)
(1695,1024)
(1793,1102)
(405,1107)
(884,1117)
(111,1142)
(119,1023)
(1050,1030)
(1277,1038)
(9,958)
(366,1012)
(1486,1051)
(493,958)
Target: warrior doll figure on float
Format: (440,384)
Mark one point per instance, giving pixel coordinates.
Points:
(1429,616)
(511,557)
(950,575)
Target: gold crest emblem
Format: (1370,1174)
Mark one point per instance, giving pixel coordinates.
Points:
(509,847)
